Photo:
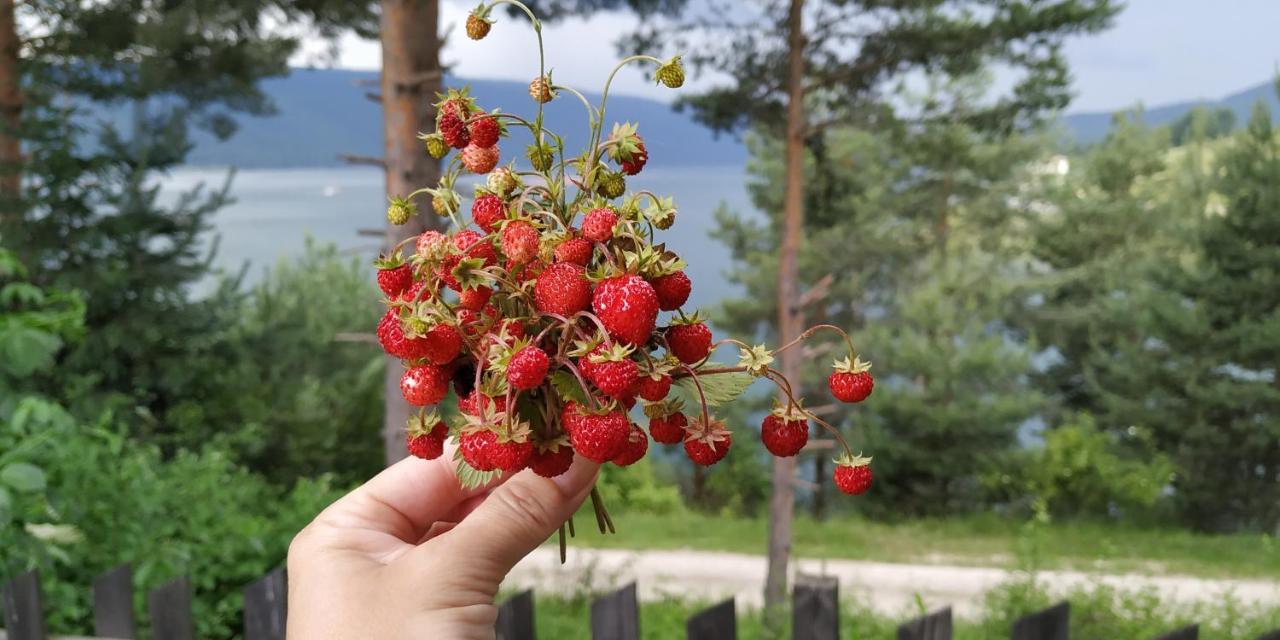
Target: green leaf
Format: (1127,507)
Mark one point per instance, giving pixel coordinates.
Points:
(24,293)
(719,388)
(470,477)
(23,477)
(567,387)
(24,350)
(6,506)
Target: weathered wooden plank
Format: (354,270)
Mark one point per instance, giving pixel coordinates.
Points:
(933,626)
(1050,624)
(24,607)
(113,604)
(265,611)
(616,616)
(1189,632)
(515,617)
(718,622)
(169,606)
(815,608)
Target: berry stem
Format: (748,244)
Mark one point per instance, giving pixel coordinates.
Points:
(597,505)
(542,56)
(564,546)
(595,404)
(702,398)
(808,333)
(572,532)
(591,112)
(604,97)
(708,372)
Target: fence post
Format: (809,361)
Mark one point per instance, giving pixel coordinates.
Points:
(515,617)
(113,604)
(933,626)
(616,616)
(1189,632)
(1050,624)
(719,622)
(815,608)
(169,606)
(265,606)
(24,608)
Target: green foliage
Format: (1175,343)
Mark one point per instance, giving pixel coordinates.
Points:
(639,488)
(1202,124)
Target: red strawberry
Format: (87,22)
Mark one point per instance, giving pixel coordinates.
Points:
(424,384)
(611,371)
(486,211)
(453,130)
(784,432)
(475,447)
(528,368)
(430,243)
(551,461)
(638,158)
(576,250)
(480,159)
(520,241)
(474,299)
(673,290)
(598,224)
(570,413)
(852,474)
(391,337)
(668,429)
(689,343)
(477,402)
(440,344)
(637,445)
(562,289)
(851,381)
(484,131)
(475,323)
(395,280)
(654,389)
(628,308)
(707,443)
(509,455)
(600,437)
(427,444)
(474,245)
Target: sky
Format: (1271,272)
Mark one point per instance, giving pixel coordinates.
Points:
(1158,51)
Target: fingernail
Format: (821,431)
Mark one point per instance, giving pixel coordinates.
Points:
(579,476)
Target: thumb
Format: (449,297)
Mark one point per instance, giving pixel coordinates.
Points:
(515,518)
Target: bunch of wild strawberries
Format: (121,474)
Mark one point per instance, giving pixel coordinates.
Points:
(544,312)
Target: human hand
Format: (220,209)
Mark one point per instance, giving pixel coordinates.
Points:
(410,554)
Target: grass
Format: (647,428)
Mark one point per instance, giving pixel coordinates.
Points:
(975,541)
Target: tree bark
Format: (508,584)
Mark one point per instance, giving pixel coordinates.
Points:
(782,502)
(11,104)
(411,77)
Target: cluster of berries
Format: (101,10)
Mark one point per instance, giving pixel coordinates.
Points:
(542,311)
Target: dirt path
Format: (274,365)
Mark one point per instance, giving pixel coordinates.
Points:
(890,589)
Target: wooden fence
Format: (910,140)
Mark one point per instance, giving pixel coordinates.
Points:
(614,616)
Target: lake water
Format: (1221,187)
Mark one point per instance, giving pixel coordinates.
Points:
(276,209)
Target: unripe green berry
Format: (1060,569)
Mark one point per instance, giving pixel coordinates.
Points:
(436,146)
(671,73)
(400,211)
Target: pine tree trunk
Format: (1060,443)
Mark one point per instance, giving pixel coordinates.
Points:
(782,502)
(11,104)
(411,77)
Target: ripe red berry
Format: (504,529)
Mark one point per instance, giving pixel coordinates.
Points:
(637,445)
(484,131)
(528,368)
(474,245)
(480,159)
(440,344)
(627,307)
(396,280)
(784,435)
(453,130)
(673,290)
(654,389)
(576,250)
(851,387)
(474,299)
(706,452)
(424,384)
(600,438)
(689,343)
(616,378)
(562,289)
(553,461)
(669,429)
(634,164)
(520,241)
(475,447)
(570,413)
(486,211)
(429,445)
(509,455)
(597,225)
(853,475)
(475,403)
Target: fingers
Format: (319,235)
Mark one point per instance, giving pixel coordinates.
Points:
(514,519)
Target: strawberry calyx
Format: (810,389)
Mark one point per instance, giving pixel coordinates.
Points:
(848,459)
(856,365)
(756,360)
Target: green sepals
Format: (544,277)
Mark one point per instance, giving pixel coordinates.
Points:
(470,273)
(400,210)
(756,359)
(615,353)
(540,156)
(661,213)
(421,423)
(468,476)
(388,261)
(857,365)
(455,95)
(682,318)
(630,208)
(582,348)
(603,271)
(649,261)
(847,459)
(623,142)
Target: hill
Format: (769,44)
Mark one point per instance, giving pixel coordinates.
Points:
(324,112)
(1091,127)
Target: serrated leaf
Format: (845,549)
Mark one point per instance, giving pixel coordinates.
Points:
(470,477)
(23,477)
(719,388)
(567,387)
